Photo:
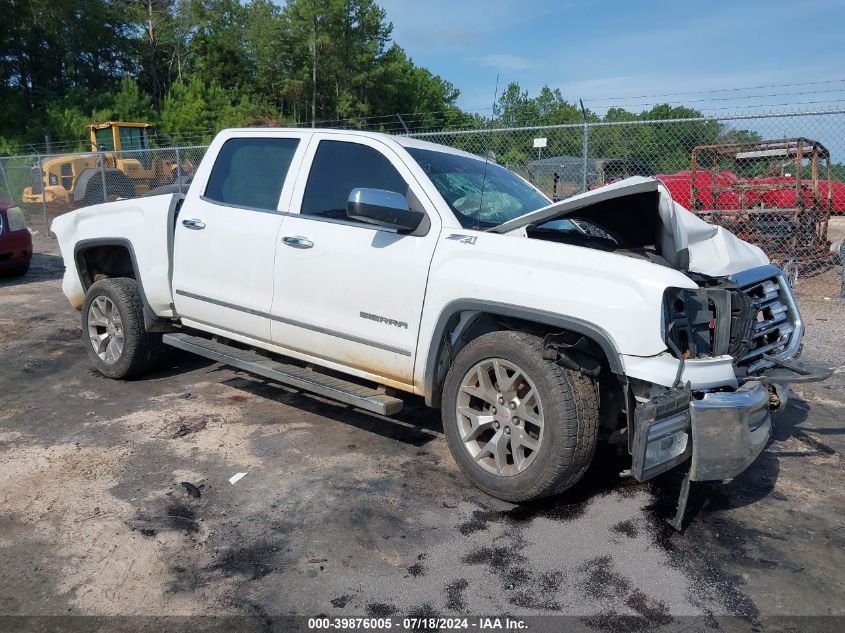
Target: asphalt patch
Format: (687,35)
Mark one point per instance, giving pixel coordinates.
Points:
(253,562)
(455,598)
(380,610)
(626,528)
(498,559)
(188,427)
(602,581)
(192,490)
(175,517)
(653,611)
(538,592)
(340,601)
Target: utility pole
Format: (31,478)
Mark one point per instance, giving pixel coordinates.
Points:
(314,76)
(151,36)
(586,147)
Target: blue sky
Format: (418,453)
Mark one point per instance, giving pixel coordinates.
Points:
(603,50)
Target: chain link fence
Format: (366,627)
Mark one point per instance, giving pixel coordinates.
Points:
(776,180)
(47,185)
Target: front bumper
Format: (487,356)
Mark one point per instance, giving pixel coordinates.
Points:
(729,431)
(722,432)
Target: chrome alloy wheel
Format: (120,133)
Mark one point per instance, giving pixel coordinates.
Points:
(105,330)
(500,417)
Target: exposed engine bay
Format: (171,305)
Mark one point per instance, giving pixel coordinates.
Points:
(634,232)
(742,307)
(638,218)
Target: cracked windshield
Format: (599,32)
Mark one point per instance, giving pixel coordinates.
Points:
(481,195)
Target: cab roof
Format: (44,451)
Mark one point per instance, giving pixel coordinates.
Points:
(404,141)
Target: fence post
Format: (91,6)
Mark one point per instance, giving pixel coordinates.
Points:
(178,170)
(586,147)
(102,174)
(842,261)
(43,196)
(6,180)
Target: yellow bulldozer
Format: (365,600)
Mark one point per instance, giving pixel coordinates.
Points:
(77,180)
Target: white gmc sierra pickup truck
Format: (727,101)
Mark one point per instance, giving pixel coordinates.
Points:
(538,328)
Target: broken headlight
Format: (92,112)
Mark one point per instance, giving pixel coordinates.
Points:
(661,434)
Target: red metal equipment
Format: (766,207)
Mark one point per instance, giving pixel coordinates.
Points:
(776,194)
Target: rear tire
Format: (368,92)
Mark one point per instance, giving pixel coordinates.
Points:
(539,404)
(113,329)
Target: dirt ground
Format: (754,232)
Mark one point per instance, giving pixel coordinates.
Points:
(346,513)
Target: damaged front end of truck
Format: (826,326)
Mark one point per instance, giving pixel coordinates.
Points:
(732,341)
(752,320)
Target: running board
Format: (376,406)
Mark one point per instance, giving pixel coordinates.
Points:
(298,377)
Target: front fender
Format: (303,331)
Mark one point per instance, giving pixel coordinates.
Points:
(515,312)
(613,298)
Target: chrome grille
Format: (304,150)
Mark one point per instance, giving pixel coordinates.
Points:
(777,328)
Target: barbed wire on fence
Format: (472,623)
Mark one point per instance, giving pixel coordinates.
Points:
(740,170)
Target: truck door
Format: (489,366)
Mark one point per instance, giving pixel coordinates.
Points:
(348,292)
(226,233)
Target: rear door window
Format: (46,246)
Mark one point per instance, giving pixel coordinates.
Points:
(341,166)
(250,172)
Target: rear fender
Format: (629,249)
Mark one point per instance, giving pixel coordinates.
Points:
(143,227)
(152,322)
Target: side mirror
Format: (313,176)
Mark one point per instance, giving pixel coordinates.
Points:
(384,208)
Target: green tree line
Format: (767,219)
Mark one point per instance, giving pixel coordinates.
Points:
(195,66)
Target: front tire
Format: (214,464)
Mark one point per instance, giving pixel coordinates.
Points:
(519,426)
(113,329)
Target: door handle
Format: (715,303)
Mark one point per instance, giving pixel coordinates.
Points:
(297,241)
(194,224)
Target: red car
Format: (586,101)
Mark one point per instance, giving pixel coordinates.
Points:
(15,241)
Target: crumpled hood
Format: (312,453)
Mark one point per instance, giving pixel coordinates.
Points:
(687,242)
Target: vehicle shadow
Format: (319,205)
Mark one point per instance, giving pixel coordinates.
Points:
(416,425)
(754,484)
(44,267)
(175,362)
(604,475)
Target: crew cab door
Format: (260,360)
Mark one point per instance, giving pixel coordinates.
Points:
(348,292)
(226,233)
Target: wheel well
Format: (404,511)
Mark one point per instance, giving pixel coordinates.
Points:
(99,262)
(575,350)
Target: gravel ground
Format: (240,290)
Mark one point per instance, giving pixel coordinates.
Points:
(346,513)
